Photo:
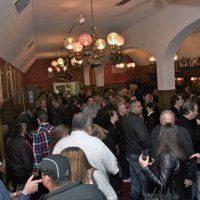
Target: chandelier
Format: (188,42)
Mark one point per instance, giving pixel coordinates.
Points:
(89,49)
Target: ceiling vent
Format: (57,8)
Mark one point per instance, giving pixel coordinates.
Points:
(20,5)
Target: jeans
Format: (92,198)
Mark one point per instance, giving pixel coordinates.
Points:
(138,179)
(195,186)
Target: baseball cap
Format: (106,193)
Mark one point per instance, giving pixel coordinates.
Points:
(56,166)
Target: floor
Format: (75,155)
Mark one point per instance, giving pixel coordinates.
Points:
(125,189)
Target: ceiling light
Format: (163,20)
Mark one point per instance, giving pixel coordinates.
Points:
(89,48)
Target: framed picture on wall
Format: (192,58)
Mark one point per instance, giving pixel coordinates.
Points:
(4,80)
(60,87)
(10,80)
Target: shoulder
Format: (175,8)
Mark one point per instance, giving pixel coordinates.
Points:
(168,158)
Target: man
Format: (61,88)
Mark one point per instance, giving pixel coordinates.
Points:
(41,139)
(56,173)
(168,117)
(91,108)
(176,104)
(98,155)
(136,134)
(57,111)
(106,106)
(190,111)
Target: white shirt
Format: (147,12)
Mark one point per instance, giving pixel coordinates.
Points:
(97,153)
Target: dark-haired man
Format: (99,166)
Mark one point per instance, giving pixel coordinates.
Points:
(56,173)
(136,135)
(41,139)
(176,104)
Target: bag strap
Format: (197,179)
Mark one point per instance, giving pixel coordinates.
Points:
(92,176)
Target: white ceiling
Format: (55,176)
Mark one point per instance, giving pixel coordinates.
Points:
(40,29)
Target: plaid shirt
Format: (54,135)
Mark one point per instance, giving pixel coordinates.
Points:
(41,141)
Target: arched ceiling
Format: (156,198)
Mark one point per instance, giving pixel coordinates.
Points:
(40,29)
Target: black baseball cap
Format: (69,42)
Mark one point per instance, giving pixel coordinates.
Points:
(56,166)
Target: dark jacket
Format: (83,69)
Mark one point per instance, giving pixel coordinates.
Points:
(100,118)
(122,140)
(190,164)
(176,112)
(136,134)
(152,121)
(193,131)
(58,115)
(18,157)
(75,191)
(168,173)
(69,113)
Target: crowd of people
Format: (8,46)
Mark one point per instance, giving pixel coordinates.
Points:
(83,147)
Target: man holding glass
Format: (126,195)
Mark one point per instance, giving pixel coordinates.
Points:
(136,135)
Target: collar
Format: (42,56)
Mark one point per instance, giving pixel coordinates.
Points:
(150,113)
(79,132)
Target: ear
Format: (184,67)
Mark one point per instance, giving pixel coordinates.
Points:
(46,180)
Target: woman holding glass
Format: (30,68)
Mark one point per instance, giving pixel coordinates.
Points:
(167,172)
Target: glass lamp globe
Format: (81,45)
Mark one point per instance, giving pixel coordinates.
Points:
(120,41)
(68,43)
(152,59)
(85,39)
(77,47)
(60,61)
(113,38)
(131,65)
(54,63)
(101,44)
(50,69)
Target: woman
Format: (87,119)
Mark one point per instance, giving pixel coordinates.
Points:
(168,170)
(58,133)
(18,154)
(112,139)
(99,132)
(83,171)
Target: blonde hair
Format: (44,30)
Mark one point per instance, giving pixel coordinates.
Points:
(148,98)
(59,132)
(98,131)
(79,164)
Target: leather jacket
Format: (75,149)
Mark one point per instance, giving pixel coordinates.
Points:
(167,173)
(18,157)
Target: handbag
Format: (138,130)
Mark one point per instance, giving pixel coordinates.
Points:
(160,196)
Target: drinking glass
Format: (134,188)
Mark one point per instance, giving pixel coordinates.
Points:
(145,153)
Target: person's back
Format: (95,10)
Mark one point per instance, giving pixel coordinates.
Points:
(75,191)
(95,150)
(169,170)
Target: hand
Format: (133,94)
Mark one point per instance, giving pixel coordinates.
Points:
(196,155)
(143,163)
(152,161)
(188,183)
(31,186)
(198,121)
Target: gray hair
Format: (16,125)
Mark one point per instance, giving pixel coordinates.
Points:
(169,117)
(80,121)
(188,106)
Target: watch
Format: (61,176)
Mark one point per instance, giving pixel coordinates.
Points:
(24,193)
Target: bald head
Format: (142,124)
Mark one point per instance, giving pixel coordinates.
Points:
(167,117)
